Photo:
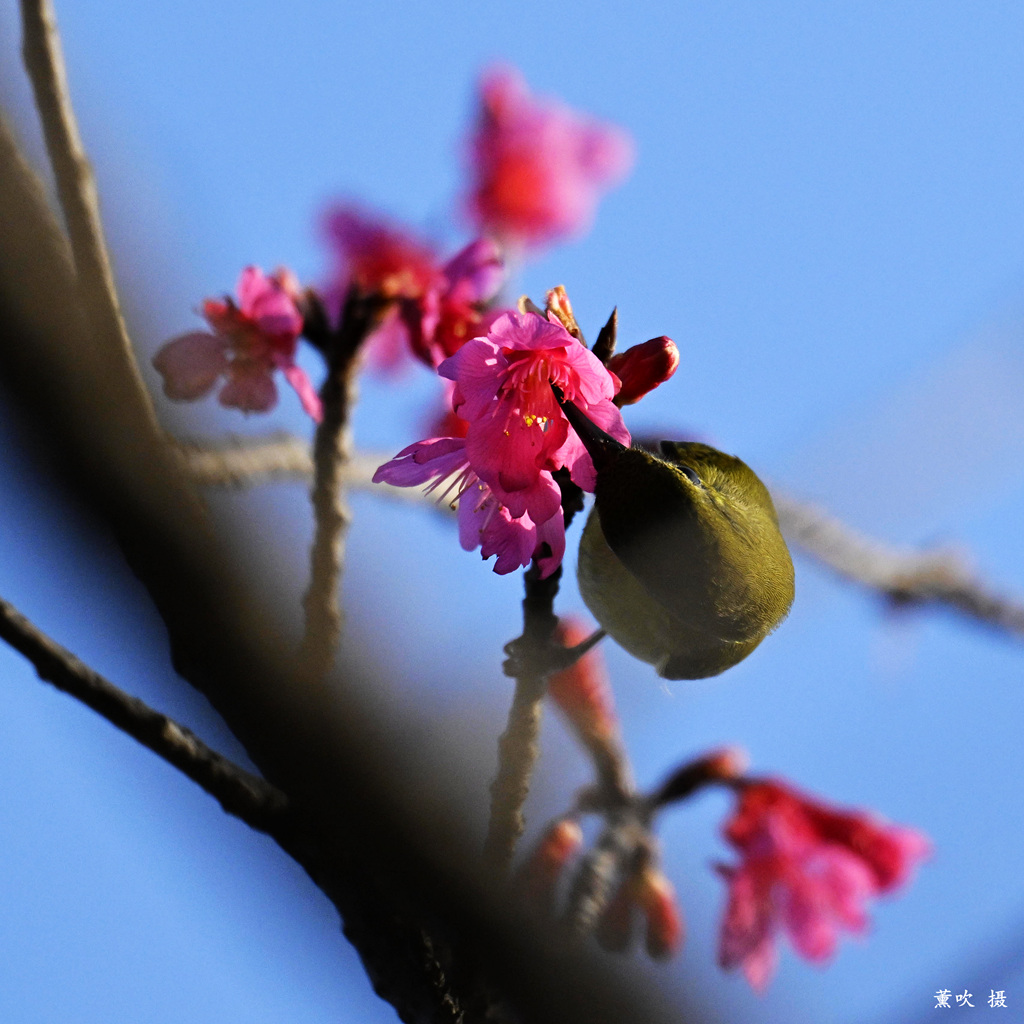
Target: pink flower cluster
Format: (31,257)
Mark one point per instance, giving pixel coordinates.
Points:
(805,867)
(437,307)
(249,342)
(539,168)
(517,435)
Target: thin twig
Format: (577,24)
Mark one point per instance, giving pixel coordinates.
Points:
(240,793)
(246,462)
(904,577)
(76,189)
(530,659)
(517,747)
(332,448)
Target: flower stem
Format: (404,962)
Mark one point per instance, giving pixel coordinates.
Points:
(517,748)
(332,448)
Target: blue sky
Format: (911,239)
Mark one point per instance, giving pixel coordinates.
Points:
(825,215)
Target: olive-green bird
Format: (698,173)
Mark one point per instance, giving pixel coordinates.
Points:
(681,561)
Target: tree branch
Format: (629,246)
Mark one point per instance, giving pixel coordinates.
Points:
(332,448)
(76,189)
(530,660)
(240,793)
(938,577)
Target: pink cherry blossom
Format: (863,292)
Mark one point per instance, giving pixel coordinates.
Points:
(249,342)
(516,436)
(543,870)
(484,521)
(808,868)
(539,168)
(517,429)
(437,307)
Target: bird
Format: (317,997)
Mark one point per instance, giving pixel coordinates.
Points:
(681,560)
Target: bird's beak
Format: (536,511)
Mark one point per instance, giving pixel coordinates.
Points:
(601,446)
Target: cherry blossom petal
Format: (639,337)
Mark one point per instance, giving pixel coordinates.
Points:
(264,301)
(303,387)
(529,332)
(508,455)
(806,866)
(484,523)
(191,364)
(386,349)
(539,168)
(586,377)
(433,459)
(552,533)
(475,273)
(251,390)
(477,370)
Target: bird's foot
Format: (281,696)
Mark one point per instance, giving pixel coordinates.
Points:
(525,657)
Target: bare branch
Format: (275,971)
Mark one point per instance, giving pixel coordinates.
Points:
(240,793)
(332,448)
(244,461)
(938,577)
(76,189)
(530,660)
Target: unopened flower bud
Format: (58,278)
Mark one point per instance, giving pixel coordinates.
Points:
(656,898)
(643,367)
(582,691)
(540,874)
(725,765)
(558,303)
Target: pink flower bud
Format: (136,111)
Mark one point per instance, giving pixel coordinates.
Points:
(436,307)
(727,764)
(656,898)
(582,691)
(643,367)
(541,872)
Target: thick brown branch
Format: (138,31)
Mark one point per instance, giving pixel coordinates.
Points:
(905,577)
(76,189)
(240,793)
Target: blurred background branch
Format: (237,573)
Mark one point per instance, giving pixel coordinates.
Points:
(940,578)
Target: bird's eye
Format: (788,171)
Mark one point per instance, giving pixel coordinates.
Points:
(691,475)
